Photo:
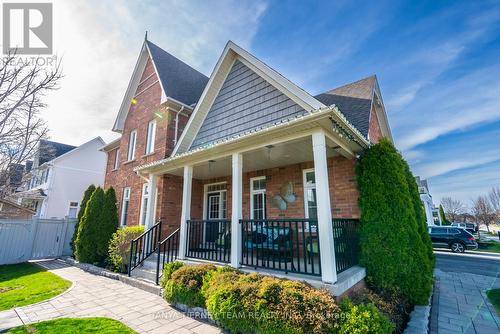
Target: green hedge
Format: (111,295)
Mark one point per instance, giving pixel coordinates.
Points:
(86,196)
(119,247)
(395,247)
(252,303)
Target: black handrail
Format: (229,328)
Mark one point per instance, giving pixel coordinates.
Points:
(209,239)
(143,246)
(346,241)
(169,248)
(289,245)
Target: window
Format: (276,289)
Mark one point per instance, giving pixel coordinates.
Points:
(125,204)
(150,140)
(73,209)
(117,159)
(310,202)
(131,145)
(47,174)
(258,197)
(144,203)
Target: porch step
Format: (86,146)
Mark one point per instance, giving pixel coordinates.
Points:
(146,270)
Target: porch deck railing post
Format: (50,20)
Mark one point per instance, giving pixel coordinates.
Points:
(186,210)
(326,242)
(236,208)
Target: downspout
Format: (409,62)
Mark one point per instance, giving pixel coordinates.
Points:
(177,124)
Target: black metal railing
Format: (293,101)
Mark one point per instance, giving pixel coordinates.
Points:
(143,246)
(346,240)
(289,245)
(167,251)
(209,240)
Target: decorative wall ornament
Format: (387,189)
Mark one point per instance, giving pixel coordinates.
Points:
(285,197)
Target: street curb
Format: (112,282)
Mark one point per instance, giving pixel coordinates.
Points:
(419,318)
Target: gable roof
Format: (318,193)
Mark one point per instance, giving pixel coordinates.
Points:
(49,150)
(230,55)
(354,100)
(75,149)
(178,80)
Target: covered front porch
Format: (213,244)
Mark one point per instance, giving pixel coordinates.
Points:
(286,204)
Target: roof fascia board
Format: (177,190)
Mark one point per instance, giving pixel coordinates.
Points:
(385,120)
(140,65)
(291,90)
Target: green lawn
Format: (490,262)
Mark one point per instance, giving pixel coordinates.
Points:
(25,283)
(489,246)
(494,297)
(70,325)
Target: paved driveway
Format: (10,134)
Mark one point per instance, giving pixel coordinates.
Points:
(92,295)
(460,304)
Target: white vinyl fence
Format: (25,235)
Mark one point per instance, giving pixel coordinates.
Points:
(23,240)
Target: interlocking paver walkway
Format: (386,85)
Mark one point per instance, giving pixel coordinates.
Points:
(460,304)
(96,296)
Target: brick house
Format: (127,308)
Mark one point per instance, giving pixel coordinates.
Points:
(246,167)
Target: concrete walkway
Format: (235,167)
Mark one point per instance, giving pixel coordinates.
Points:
(96,296)
(460,304)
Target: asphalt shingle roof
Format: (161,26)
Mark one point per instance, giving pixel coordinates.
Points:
(50,150)
(179,80)
(354,100)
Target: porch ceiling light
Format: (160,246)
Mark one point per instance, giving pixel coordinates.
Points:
(269,147)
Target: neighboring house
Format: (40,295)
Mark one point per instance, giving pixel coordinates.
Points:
(246,167)
(58,177)
(11,210)
(435,215)
(11,178)
(426,199)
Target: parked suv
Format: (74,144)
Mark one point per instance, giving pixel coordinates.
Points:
(455,238)
(469,227)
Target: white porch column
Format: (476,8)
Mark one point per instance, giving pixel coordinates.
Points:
(325,229)
(186,210)
(236,207)
(150,209)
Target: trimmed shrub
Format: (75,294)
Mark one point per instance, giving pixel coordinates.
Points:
(442,215)
(391,304)
(119,247)
(89,230)
(83,204)
(184,285)
(392,249)
(255,303)
(361,319)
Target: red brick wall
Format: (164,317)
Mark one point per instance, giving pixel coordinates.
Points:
(147,107)
(374,131)
(342,182)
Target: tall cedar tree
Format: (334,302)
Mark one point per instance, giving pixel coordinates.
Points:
(108,222)
(442,215)
(83,204)
(87,248)
(391,247)
(420,215)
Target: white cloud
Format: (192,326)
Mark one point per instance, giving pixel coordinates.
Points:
(98,43)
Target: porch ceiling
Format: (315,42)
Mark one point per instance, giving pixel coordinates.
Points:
(282,154)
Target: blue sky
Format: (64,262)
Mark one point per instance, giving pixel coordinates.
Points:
(437,63)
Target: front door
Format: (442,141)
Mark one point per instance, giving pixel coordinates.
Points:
(216,202)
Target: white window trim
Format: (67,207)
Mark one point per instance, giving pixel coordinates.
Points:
(123,204)
(306,188)
(117,159)
(151,137)
(253,192)
(131,148)
(77,207)
(143,223)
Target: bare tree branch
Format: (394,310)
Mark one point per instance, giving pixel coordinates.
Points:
(453,208)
